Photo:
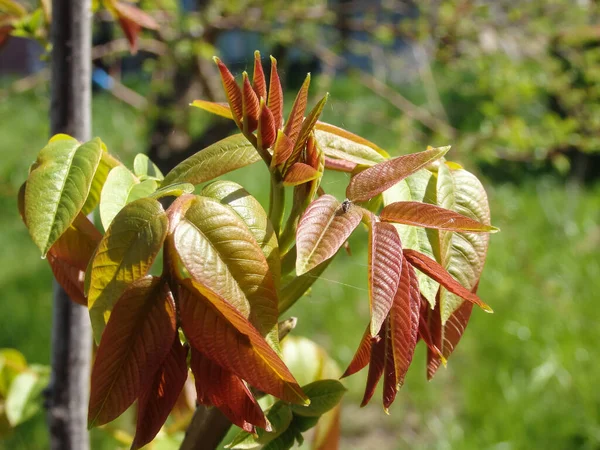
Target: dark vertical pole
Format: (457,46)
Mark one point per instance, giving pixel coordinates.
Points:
(67,395)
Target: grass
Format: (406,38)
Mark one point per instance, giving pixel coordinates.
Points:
(524,377)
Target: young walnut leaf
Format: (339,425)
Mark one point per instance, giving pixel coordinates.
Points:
(217,159)
(232,91)
(132,20)
(377,363)
(252,213)
(258,78)
(214,328)
(216,386)
(58,186)
(362,356)
(439,274)
(221,253)
(250,105)
(466,255)
(322,230)
(159,396)
(137,339)
(342,146)
(431,216)
(219,109)
(275,100)
(266,133)
(294,122)
(300,173)
(385,269)
(124,255)
(376,179)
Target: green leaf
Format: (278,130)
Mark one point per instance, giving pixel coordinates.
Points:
(324,395)
(252,213)
(58,186)
(173,190)
(376,179)
(339,146)
(107,163)
(467,252)
(220,252)
(217,159)
(415,188)
(12,363)
(124,255)
(351,137)
(144,168)
(220,109)
(121,188)
(284,442)
(322,230)
(24,398)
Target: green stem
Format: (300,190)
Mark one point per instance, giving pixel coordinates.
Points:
(264,154)
(276,202)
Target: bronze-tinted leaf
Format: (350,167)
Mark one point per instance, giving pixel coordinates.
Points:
(232,91)
(219,387)
(275,102)
(250,105)
(377,364)
(258,78)
(439,274)
(376,179)
(136,341)
(219,331)
(294,122)
(339,165)
(267,133)
(220,252)
(434,326)
(124,255)
(69,277)
(431,216)
(159,396)
(282,150)
(299,173)
(306,130)
(350,136)
(362,355)
(132,20)
(385,268)
(322,230)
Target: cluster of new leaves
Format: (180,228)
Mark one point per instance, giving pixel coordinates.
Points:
(227,265)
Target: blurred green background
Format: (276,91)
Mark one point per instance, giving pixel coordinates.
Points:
(513,89)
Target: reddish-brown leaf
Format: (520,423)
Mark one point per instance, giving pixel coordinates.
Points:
(339,165)
(132,20)
(258,78)
(424,333)
(431,216)
(306,130)
(385,269)
(402,335)
(294,122)
(78,243)
(275,102)
(158,397)
(382,176)
(362,355)
(376,366)
(434,270)
(219,387)
(322,230)
(136,340)
(434,325)
(69,277)
(267,133)
(218,330)
(282,150)
(299,173)
(313,154)
(250,105)
(232,91)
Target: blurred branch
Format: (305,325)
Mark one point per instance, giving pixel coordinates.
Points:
(122,46)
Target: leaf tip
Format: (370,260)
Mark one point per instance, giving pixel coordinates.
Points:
(487,308)
(494,229)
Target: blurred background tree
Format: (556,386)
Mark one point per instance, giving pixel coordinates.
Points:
(513,86)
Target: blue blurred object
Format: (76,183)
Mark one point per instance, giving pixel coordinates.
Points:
(102,79)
